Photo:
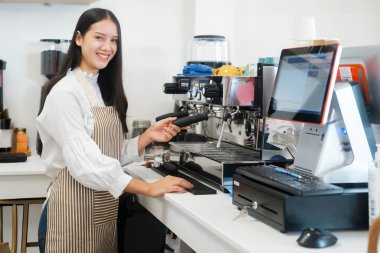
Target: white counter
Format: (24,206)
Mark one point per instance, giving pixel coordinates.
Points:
(23,179)
(205,223)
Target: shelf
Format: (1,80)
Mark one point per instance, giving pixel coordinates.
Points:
(50,1)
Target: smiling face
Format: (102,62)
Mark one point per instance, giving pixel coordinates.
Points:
(98,45)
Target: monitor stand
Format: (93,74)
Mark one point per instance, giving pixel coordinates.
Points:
(340,150)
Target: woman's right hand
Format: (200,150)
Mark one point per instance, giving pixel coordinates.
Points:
(161,131)
(168,184)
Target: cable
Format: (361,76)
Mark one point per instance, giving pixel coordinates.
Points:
(290,152)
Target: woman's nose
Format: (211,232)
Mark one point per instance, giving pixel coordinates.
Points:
(106,46)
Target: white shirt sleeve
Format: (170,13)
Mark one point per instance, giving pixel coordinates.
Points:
(81,154)
(130,152)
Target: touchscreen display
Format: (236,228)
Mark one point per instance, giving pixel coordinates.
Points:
(304,83)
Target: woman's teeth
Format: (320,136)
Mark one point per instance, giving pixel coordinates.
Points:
(103,56)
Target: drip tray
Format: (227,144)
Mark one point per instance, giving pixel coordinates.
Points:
(218,164)
(227,152)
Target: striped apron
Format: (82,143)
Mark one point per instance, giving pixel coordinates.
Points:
(81,219)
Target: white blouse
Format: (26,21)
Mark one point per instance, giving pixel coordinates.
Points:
(66,124)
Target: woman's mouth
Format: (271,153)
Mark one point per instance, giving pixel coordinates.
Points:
(103,56)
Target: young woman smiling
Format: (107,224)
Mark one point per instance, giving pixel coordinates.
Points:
(82,128)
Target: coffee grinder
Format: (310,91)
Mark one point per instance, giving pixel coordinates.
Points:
(2,67)
(210,50)
(52,57)
(5,121)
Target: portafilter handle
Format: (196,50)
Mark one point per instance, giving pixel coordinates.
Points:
(179,114)
(186,121)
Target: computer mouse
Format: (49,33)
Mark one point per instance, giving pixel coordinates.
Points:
(316,238)
(171,168)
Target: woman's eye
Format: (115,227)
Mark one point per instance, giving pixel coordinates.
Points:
(98,38)
(115,41)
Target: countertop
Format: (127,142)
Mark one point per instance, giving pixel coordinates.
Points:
(206,223)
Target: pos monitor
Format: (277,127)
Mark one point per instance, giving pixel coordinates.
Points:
(335,142)
(304,83)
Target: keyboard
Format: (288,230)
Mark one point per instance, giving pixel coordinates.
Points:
(198,189)
(292,182)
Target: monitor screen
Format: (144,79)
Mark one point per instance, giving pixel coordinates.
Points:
(304,83)
(367,75)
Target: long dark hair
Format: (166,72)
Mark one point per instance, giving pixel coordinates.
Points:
(110,78)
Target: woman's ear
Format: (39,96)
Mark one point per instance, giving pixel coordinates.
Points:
(78,38)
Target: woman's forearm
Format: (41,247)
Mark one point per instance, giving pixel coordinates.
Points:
(138,186)
(143,141)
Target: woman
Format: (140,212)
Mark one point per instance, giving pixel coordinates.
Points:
(82,126)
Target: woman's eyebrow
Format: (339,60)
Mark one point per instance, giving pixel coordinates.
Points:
(113,36)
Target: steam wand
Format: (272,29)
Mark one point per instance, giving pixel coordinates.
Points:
(225,118)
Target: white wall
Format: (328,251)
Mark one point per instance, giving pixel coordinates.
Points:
(263,28)
(155,37)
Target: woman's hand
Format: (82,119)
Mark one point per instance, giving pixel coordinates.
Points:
(161,131)
(168,184)
(158,188)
